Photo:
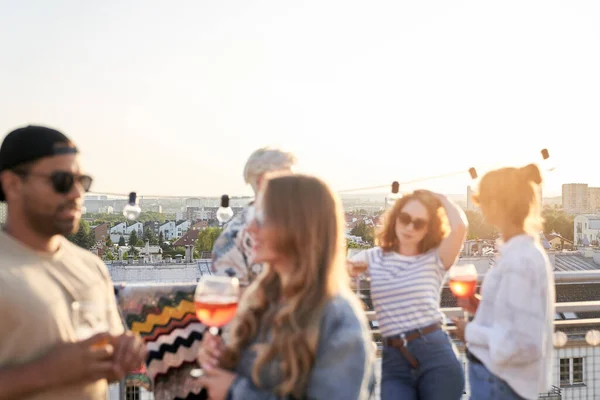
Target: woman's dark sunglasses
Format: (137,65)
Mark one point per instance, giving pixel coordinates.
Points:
(406,219)
(62,181)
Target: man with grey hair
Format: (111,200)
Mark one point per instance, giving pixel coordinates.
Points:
(232,251)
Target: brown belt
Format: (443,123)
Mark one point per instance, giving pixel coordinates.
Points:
(401,342)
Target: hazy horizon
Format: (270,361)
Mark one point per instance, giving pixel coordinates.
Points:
(171,100)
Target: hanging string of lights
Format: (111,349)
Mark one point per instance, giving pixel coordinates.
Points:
(132,209)
(471,171)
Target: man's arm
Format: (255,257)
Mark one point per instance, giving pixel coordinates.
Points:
(65,364)
(129,349)
(20,381)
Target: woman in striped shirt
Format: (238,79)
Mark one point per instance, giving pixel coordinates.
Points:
(421,238)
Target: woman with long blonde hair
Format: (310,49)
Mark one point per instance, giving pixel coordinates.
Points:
(509,342)
(300,332)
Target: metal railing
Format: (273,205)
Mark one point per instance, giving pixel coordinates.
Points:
(578,306)
(574,383)
(576,365)
(554,393)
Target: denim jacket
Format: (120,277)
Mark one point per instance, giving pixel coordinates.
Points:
(343,366)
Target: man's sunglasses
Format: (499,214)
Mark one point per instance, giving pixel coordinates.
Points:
(406,219)
(62,181)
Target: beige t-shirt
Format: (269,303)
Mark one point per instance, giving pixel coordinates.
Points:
(36,292)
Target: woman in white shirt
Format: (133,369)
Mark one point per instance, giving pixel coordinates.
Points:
(510,339)
(421,238)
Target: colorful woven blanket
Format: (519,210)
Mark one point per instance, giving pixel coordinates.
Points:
(165,318)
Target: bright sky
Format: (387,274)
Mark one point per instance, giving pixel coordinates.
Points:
(172,97)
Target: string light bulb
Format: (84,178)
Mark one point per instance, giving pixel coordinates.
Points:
(473,173)
(132,210)
(547,163)
(394,195)
(592,337)
(475,179)
(559,339)
(224,213)
(395,187)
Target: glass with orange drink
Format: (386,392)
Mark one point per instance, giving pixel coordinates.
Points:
(216,301)
(463,282)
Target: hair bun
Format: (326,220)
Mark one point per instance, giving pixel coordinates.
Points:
(532,173)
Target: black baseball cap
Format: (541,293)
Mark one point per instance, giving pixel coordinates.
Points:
(31,143)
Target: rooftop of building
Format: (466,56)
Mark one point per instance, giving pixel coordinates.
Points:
(574,262)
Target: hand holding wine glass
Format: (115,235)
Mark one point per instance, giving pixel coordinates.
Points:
(211,350)
(469,304)
(216,301)
(463,282)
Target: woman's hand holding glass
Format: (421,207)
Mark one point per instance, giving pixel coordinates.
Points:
(211,350)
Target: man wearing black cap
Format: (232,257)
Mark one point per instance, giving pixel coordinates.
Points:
(43,353)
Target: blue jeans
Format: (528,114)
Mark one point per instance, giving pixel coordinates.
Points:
(486,386)
(439,376)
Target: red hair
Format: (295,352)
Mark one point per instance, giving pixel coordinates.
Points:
(437,229)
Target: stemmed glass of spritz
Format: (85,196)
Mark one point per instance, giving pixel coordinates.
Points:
(463,282)
(216,301)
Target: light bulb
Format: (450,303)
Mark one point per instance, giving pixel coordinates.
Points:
(131,210)
(390,198)
(473,173)
(475,179)
(548,164)
(224,213)
(592,337)
(559,339)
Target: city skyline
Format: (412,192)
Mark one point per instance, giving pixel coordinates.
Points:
(172,100)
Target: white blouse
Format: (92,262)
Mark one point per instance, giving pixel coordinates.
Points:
(512,330)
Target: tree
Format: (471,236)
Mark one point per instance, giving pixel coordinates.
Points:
(108,243)
(366,232)
(140,243)
(161,239)
(84,237)
(554,221)
(133,252)
(207,237)
(478,227)
(101,217)
(353,245)
(558,221)
(133,238)
(122,241)
(151,216)
(150,236)
(173,251)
